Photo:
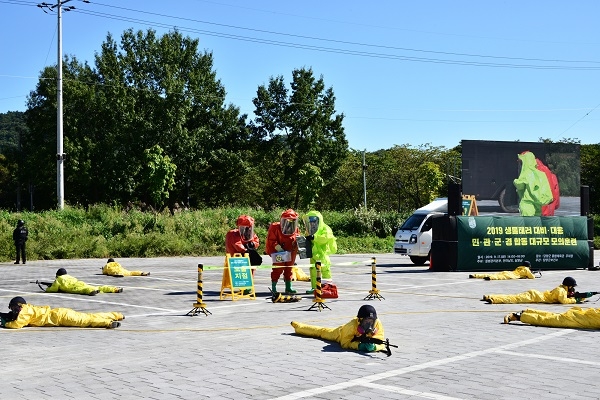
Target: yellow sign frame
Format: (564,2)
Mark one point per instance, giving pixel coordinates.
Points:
(238,267)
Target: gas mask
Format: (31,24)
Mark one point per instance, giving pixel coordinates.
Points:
(288,226)
(312,225)
(367,326)
(246,232)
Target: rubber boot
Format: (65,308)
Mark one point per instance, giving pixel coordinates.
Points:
(288,288)
(313,279)
(274,286)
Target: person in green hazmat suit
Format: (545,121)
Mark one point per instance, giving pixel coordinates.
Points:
(532,186)
(323,244)
(521,272)
(354,335)
(575,317)
(563,294)
(22,314)
(113,268)
(68,284)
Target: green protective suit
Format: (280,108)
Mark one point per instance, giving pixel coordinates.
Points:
(576,317)
(115,269)
(323,245)
(518,273)
(532,187)
(31,315)
(342,334)
(69,284)
(556,295)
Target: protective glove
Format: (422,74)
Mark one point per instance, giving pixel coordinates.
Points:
(579,300)
(250,245)
(2,321)
(279,248)
(366,347)
(310,237)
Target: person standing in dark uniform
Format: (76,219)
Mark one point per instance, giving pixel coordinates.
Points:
(20,237)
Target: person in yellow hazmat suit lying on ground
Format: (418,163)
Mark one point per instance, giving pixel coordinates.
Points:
(354,335)
(67,284)
(113,268)
(575,317)
(563,294)
(22,314)
(521,272)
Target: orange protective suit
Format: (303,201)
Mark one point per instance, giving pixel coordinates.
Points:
(275,237)
(31,315)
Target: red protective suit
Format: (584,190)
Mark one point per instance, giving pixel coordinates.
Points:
(235,243)
(287,242)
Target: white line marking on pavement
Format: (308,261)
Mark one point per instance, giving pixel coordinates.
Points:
(418,367)
(561,359)
(408,392)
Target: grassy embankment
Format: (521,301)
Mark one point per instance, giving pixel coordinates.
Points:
(104,231)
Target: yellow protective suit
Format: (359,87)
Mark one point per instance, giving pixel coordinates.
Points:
(115,269)
(518,273)
(576,317)
(556,295)
(69,284)
(342,334)
(31,315)
(299,275)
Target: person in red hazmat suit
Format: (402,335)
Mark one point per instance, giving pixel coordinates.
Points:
(357,334)
(243,240)
(113,268)
(68,284)
(22,314)
(563,294)
(281,237)
(323,243)
(521,272)
(575,317)
(532,186)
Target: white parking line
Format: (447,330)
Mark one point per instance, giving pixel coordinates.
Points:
(542,357)
(418,367)
(408,392)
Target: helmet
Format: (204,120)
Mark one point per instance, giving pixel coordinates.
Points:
(20,222)
(568,281)
(110,260)
(245,224)
(526,264)
(289,222)
(367,311)
(15,303)
(61,271)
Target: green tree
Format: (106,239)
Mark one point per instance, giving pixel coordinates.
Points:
(144,91)
(590,173)
(301,138)
(158,175)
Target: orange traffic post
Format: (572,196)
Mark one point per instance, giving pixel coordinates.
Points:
(374,292)
(318,302)
(199,305)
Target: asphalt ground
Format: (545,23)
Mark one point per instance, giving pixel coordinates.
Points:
(450,344)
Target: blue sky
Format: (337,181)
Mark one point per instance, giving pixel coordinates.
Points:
(403,72)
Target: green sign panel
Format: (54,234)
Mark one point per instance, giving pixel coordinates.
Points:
(499,243)
(241,272)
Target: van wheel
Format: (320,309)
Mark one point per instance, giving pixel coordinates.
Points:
(417,260)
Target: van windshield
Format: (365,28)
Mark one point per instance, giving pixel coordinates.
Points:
(413,222)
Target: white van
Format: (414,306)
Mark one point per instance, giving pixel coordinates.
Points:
(413,238)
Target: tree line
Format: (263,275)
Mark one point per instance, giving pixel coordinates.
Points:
(148,124)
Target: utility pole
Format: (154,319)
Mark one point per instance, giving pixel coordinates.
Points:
(364,168)
(60,155)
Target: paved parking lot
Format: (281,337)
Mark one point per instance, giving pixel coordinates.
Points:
(451,344)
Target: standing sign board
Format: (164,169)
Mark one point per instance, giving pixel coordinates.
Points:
(237,279)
